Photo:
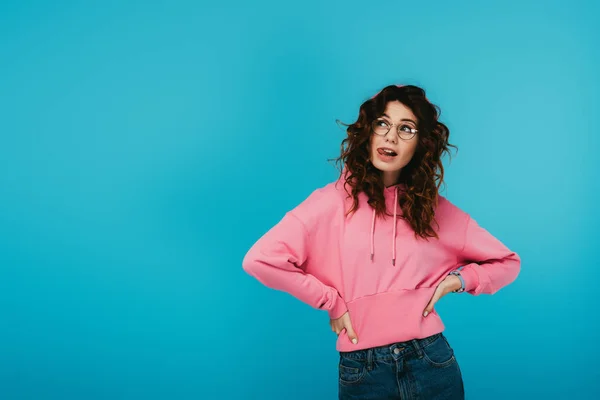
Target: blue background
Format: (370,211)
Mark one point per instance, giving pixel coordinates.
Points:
(146,145)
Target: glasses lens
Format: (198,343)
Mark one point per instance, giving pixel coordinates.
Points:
(380,127)
(405,132)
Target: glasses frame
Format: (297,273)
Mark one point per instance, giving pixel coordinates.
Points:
(399,133)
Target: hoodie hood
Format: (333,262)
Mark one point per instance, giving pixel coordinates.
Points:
(391,194)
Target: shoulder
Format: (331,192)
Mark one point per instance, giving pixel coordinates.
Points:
(323,202)
(448,212)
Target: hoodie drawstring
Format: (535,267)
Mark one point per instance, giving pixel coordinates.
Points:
(394,233)
(373,235)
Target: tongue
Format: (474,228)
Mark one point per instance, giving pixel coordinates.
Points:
(385,153)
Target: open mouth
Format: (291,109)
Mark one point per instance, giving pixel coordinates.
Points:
(386,152)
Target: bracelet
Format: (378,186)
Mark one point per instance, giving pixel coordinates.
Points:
(462,282)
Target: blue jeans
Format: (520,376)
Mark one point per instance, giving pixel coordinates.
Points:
(424,369)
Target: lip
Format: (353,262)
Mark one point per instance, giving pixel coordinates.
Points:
(386,158)
(387,148)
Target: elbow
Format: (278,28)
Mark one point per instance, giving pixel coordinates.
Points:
(512,268)
(256,266)
(249,263)
(258,269)
(516,265)
(248,267)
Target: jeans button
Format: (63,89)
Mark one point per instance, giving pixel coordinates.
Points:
(396,351)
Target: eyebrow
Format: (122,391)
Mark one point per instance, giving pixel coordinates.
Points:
(403,119)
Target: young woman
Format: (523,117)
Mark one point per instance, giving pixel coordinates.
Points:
(378,247)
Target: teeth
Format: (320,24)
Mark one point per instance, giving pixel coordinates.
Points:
(387,152)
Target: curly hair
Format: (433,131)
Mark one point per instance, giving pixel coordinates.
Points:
(423,175)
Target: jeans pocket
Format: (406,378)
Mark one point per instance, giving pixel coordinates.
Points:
(351,371)
(438,353)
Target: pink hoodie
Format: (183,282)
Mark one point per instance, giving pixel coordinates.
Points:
(374,268)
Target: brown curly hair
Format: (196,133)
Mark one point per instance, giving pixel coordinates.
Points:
(423,175)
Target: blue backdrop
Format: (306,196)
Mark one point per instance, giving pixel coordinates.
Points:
(146,145)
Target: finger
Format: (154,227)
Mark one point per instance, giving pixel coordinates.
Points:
(351,334)
(431,304)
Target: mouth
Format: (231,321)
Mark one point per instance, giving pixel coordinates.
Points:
(384,151)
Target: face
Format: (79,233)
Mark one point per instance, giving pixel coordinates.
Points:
(397,116)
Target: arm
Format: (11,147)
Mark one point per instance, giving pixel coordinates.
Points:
(276,261)
(490,265)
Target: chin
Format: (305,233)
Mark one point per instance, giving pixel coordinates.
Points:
(386,167)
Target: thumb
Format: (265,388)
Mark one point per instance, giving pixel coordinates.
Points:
(351,334)
(429,308)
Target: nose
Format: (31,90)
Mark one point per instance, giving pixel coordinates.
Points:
(391,136)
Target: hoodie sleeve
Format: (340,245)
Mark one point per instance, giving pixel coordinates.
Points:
(490,265)
(276,260)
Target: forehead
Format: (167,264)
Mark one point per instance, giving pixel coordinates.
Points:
(398,111)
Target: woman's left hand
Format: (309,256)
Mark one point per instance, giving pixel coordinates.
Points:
(449,284)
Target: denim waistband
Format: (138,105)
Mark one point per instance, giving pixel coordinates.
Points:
(392,351)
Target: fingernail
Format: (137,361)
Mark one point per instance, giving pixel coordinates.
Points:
(354,341)
(425,313)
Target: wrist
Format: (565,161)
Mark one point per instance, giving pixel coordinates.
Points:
(453,283)
(458,283)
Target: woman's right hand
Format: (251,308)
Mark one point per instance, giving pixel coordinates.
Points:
(343,322)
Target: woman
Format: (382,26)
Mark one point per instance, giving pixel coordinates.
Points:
(380,246)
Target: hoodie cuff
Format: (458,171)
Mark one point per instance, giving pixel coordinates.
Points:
(338,309)
(470,277)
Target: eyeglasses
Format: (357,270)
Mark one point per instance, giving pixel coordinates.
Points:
(381,127)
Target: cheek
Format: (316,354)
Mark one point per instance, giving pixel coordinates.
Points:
(407,153)
(372,146)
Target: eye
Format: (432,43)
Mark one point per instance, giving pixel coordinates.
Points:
(382,123)
(406,128)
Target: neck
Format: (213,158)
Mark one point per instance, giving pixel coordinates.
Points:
(390,178)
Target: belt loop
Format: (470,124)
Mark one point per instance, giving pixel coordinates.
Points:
(417,345)
(369,359)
